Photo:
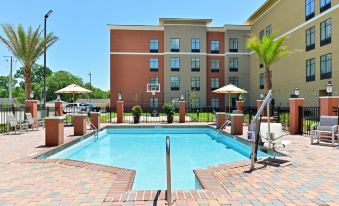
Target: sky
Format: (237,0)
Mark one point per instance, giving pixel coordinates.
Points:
(81,26)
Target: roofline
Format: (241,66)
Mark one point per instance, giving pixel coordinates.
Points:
(259,11)
(134,27)
(205,22)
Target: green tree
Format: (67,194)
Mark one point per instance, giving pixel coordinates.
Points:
(97,93)
(4,81)
(268,50)
(193,100)
(37,79)
(27,47)
(59,80)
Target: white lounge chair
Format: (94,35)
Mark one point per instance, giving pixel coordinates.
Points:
(30,121)
(12,123)
(328,127)
(276,132)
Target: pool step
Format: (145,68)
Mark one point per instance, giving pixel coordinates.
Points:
(159,195)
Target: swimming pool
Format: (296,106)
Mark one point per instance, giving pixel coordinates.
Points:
(144,150)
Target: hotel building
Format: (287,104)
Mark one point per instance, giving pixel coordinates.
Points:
(186,55)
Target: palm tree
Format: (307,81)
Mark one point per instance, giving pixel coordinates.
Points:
(268,50)
(27,47)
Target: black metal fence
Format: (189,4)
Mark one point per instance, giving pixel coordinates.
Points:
(308,116)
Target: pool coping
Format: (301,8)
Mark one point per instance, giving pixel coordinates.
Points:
(122,190)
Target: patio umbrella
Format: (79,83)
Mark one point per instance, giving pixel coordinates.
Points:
(229,89)
(73,89)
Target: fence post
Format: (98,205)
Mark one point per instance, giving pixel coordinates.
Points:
(295,103)
(327,104)
(301,120)
(278,115)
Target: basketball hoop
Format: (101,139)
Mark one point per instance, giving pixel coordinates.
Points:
(153,88)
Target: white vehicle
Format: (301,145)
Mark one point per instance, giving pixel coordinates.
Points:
(72,107)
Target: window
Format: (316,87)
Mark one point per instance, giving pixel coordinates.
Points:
(325,32)
(233,47)
(261,81)
(195,45)
(154,64)
(154,102)
(195,64)
(215,65)
(310,70)
(215,46)
(215,103)
(234,81)
(261,35)
(175,83)
(310,38)
(326,66)
(269,30)
(175,45)
(154,45)
(195,84)
(324,5)
(175,102)
(309,9)
(233,64)
(214,83)
(175,63)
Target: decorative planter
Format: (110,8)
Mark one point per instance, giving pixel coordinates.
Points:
(136,119)
(170,119)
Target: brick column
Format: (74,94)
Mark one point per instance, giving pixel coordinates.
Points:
(182,111)
(95,119)
(237,124)
(259,103)
(32,107)
(79,123)
(58,108)
(220,119)
(326,105)
(295,103)
(54,131)
(120,111)
(240,105)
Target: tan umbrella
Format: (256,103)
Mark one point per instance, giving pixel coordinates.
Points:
(73,89)
(229,89)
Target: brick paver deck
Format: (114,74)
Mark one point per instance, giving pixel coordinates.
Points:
(310,177)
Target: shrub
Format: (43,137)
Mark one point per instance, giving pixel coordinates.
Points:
(136,110)
(168,109)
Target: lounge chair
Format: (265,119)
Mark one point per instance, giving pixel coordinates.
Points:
(30,121)
(276,131)
(12,123)
(328,127)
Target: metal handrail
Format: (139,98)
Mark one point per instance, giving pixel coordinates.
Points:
(93,127)
(168,169)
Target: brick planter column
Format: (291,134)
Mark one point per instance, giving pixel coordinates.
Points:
(295,103)
(54,131)
(259,103)
(237,124)
(182,111)
(58,108)
(95,119)
(327,104)
(240,105)
(32,107)
(79,123)
(221,118)
(120,111)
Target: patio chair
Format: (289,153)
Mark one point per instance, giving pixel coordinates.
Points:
(12,123)
(328,127)
(30,121)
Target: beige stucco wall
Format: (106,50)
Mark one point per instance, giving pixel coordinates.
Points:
(290,72)
(185,33)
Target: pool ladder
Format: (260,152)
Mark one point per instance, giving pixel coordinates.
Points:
(168,171)
(96,133)
(223,126)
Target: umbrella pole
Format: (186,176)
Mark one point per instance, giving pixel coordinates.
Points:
(73,104)
(229,103)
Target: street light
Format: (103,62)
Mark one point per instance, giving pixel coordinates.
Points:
(296,92)
(182,98)
(45,34)
(329,88)
(261,96)
(31,95)
(119,96)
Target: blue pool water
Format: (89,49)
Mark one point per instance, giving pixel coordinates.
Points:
(144,150)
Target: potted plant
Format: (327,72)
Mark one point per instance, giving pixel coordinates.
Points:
(136,111)
(169,110)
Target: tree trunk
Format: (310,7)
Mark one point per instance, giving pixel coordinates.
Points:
(28,79)
(268,81)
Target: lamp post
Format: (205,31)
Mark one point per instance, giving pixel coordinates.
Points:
(261,96)
(182,97)
(329,88)
(90,85)
(296,92)
(119,96)
(45,34)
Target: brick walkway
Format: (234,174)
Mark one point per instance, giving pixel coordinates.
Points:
(310,178)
